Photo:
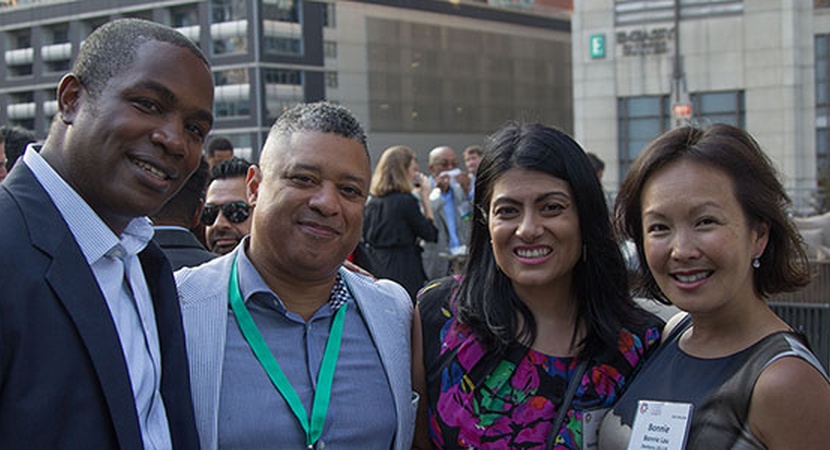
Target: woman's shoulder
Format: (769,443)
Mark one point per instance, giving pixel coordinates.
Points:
(636,341)
(791,394)
(437,295)
(648,329)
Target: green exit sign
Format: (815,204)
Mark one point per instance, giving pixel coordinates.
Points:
(597,46)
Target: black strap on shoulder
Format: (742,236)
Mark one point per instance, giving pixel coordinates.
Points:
(573,384)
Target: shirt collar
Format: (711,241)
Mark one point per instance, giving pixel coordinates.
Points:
(251,283)
(93,236)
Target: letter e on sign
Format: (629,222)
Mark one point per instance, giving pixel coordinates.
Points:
(597,44)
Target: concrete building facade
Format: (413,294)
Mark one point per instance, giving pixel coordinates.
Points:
(420,73)
(643,67)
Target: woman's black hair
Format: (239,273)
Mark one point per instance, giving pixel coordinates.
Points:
(487,301)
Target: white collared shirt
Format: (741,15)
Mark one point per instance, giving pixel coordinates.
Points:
(128,298)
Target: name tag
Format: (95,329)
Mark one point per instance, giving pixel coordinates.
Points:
(591,421)
(660,426)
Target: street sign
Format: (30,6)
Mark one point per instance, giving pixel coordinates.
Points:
(597,44)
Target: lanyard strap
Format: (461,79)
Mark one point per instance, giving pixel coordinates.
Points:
(322,396)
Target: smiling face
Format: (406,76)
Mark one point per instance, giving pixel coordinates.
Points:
(534,226)
(309,198)
(222,235)
(133,146)
(696,238)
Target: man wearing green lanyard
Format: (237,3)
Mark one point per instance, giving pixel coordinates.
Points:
(286,348)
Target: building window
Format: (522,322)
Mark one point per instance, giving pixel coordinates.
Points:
(281,10)
(641,119)
(330,49)
(283,45)
(232,108)
(822,49)
(718,107)
(57,51)
(283,76)
(184,16)
(232,93)
(330,16)
(227,11)
(58,34)
(630,12)
(283,89)
(331,80)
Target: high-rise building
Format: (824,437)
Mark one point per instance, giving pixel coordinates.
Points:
(420,73)
(643,67)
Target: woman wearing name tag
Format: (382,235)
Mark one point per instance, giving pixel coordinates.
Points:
(707,214)
(534,343)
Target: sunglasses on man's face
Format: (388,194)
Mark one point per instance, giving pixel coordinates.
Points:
(235,212)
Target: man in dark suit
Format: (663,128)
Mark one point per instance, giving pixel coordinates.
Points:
(172,223)
(92,351)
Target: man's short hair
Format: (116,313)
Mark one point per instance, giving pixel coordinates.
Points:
(233,167)
(596,162)
(182,207)
(111,48)
(16,139)
(475,149)
(219,143)
(323,117)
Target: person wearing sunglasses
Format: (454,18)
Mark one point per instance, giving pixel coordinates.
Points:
(227,214)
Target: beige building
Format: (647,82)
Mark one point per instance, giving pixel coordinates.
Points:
(642,67)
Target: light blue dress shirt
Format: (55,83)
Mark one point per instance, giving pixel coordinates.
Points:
(253,414)
(115,265)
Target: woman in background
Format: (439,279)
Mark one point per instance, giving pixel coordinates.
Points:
(393,219)
(543,306)
(707,215)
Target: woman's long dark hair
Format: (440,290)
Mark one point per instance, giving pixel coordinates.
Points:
(486,300)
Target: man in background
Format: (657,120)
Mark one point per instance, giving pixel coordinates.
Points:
(17,138)
(227,213)
(91,337)
(472,158)
(291,301)
(219,149)
(452,211)
(173,221)
(597,163)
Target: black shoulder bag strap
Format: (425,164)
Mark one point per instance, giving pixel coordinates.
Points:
(566,403)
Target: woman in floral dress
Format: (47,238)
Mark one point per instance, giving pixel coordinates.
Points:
(544,297)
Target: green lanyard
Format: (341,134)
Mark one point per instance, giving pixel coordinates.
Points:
(320,406)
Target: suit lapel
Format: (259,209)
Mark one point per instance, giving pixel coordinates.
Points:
(385,330)
(73,282)
(175,384)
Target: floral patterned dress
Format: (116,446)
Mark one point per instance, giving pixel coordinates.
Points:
(477,402)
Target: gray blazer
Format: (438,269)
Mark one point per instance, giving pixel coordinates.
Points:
(203,292)
(435,257)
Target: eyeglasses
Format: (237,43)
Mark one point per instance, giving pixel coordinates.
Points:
(235,212)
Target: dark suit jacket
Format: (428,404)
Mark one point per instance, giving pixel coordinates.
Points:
(182,248)
(63,379)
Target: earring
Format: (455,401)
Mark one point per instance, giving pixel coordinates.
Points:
(756,262)
(584,253)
